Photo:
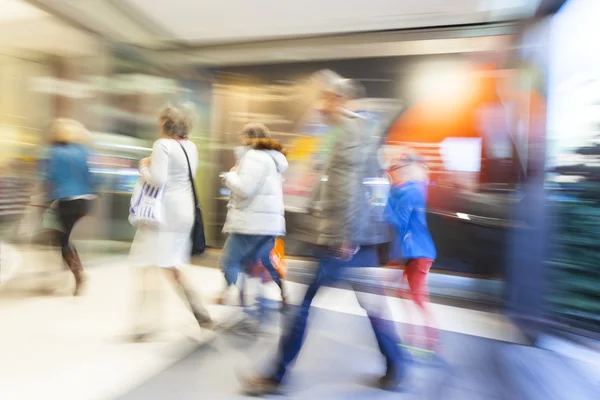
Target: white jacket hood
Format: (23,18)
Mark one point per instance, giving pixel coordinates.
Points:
(280,161)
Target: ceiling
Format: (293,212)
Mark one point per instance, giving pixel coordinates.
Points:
(218,21)
(15,10)
(160,23)
(366,45)
(229,32)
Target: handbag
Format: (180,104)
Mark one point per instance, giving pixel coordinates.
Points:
(10,262)
(145,207)
(198,237)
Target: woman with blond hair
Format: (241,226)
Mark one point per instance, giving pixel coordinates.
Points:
(69,184)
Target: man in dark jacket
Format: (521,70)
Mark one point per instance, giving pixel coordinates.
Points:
(335,225)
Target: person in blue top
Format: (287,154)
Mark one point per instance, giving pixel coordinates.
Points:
(69,184)
(405,211)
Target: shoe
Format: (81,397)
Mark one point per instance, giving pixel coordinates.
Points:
(435,346)
(140,338)
(433,341)
(204,320)
(261,386)
(285,306)
(392,382)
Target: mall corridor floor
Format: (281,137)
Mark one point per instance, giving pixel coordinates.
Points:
(59,347)
(338,363)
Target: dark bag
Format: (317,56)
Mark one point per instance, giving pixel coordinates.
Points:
(198,238)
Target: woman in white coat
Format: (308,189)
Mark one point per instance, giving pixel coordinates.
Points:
(255,214)
(167,247)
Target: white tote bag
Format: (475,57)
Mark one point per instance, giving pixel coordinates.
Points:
(146,204)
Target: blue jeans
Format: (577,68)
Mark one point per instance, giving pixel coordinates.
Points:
(239,250)
(331,270)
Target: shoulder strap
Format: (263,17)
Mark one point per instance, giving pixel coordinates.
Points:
(190,174)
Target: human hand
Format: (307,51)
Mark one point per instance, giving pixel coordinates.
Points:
(346,251)
(394,264)
(144,162)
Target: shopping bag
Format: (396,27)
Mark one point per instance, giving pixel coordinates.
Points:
(277,255)
(10,261)
(30,224)
(146,204)
(278,258)
(50,220)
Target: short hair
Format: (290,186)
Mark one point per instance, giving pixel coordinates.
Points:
(256,130)
(335,83)
(326,77)
(347,88)
(65,130)
(408,157)
(175,122)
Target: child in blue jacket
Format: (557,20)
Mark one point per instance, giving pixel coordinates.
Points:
(413,245)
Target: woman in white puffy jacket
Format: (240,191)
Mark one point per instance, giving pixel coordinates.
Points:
(255,215)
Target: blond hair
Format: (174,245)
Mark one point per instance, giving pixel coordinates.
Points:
(65,130)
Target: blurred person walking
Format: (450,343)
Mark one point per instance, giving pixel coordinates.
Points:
(413,245)
(339,228)
(255,213)
(167,247)
(69,184)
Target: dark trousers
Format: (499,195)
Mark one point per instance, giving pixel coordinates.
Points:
(69,213)
(331,270)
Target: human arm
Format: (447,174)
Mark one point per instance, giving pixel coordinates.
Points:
(47,170)
(154,170)
(96,180)
(244,178)
(344,180)
(398,210)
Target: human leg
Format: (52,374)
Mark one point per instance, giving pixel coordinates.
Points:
(377,308)
(265,258)
(387,338)
(145,299)
(232,258)
(417,271)
(291,341)
(69,213)
(188,295)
